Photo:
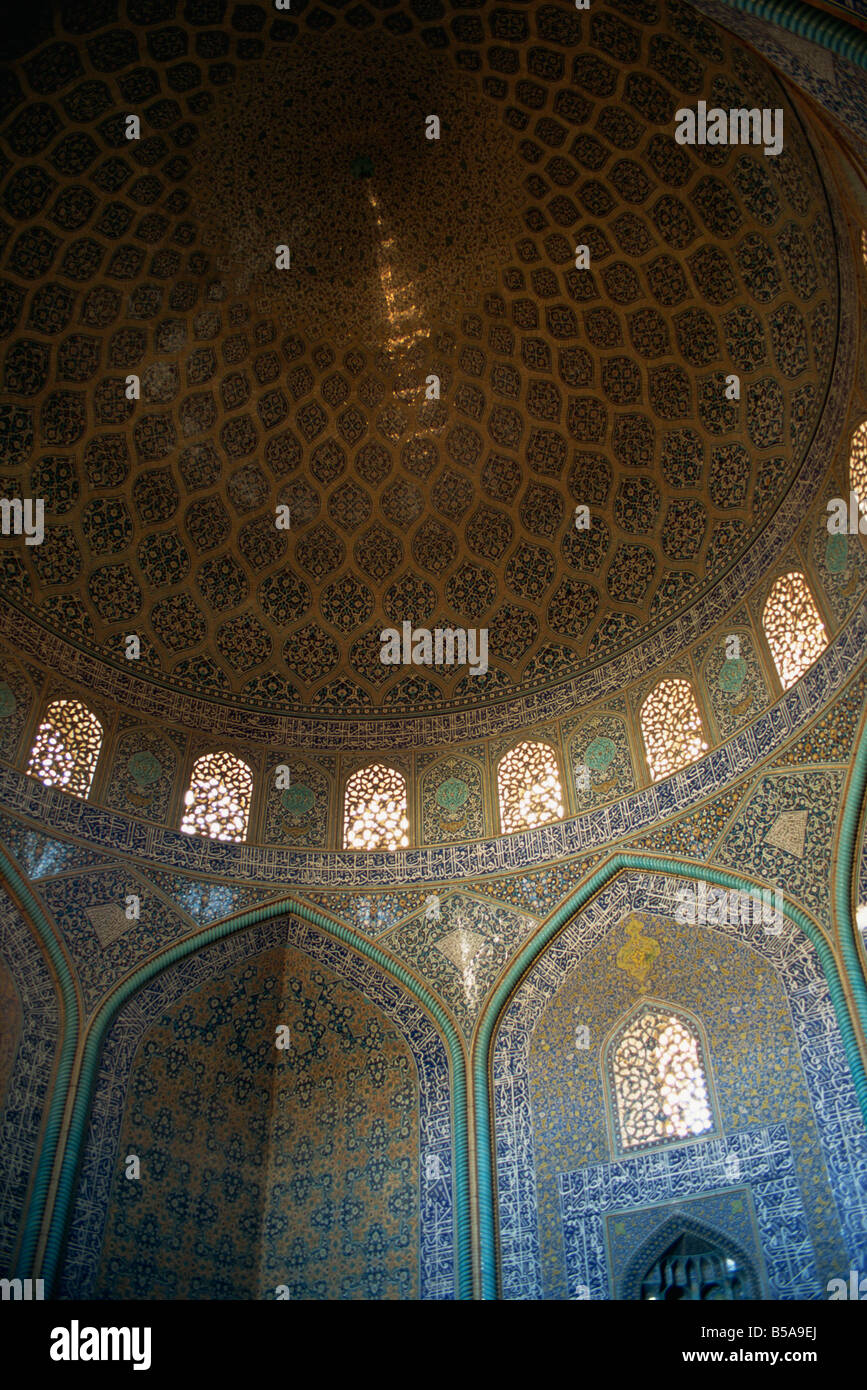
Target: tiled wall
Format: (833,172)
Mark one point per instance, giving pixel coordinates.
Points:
(325,1166)
(789,1151)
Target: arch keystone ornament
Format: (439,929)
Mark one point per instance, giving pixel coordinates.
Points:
(637,957)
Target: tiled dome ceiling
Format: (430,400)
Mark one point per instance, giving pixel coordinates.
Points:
(559,386)
(295,154)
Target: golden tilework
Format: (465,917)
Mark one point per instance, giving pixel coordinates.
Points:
(751,1056)
(435,475)
(638,955)
(302,361)
(263,1167)
(10,1027)
(295,155)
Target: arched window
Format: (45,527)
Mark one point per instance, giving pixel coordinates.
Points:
(657,1080)
(528,784)
(671,728)
(66,748)
(858,466)
(793,626)
(219,796)
(374,809)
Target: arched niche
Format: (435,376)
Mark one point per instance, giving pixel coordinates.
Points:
(355,1149)
(687,1260)
(788,1105)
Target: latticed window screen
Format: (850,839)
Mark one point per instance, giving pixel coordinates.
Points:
(658,1080)
(858,465)
(375,809)
(67,746)
(671,728)
(793,626)
(696,1269)
(528,785)
(217,803)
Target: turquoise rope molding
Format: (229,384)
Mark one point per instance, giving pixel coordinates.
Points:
(67,1182)
(68,1025)
(846,869)
(808,23)
(484,1036)
(523,962)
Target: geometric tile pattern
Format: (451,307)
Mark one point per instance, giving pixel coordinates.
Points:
(263,1121)
(829,739)
(734,681)
(784,836)
(458,946)
(786,1171)
(228,959)
(105,948)
(28,1083)
(559,386)
(832,81)
(763,1158)
(162,521)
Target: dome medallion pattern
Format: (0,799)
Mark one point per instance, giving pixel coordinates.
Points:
(562,385)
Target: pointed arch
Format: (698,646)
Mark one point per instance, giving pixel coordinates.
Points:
(657,1077)
(57,1010)
(422,1182)
(495,1054)
(702,1252)
(75,1097)
(66,748)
